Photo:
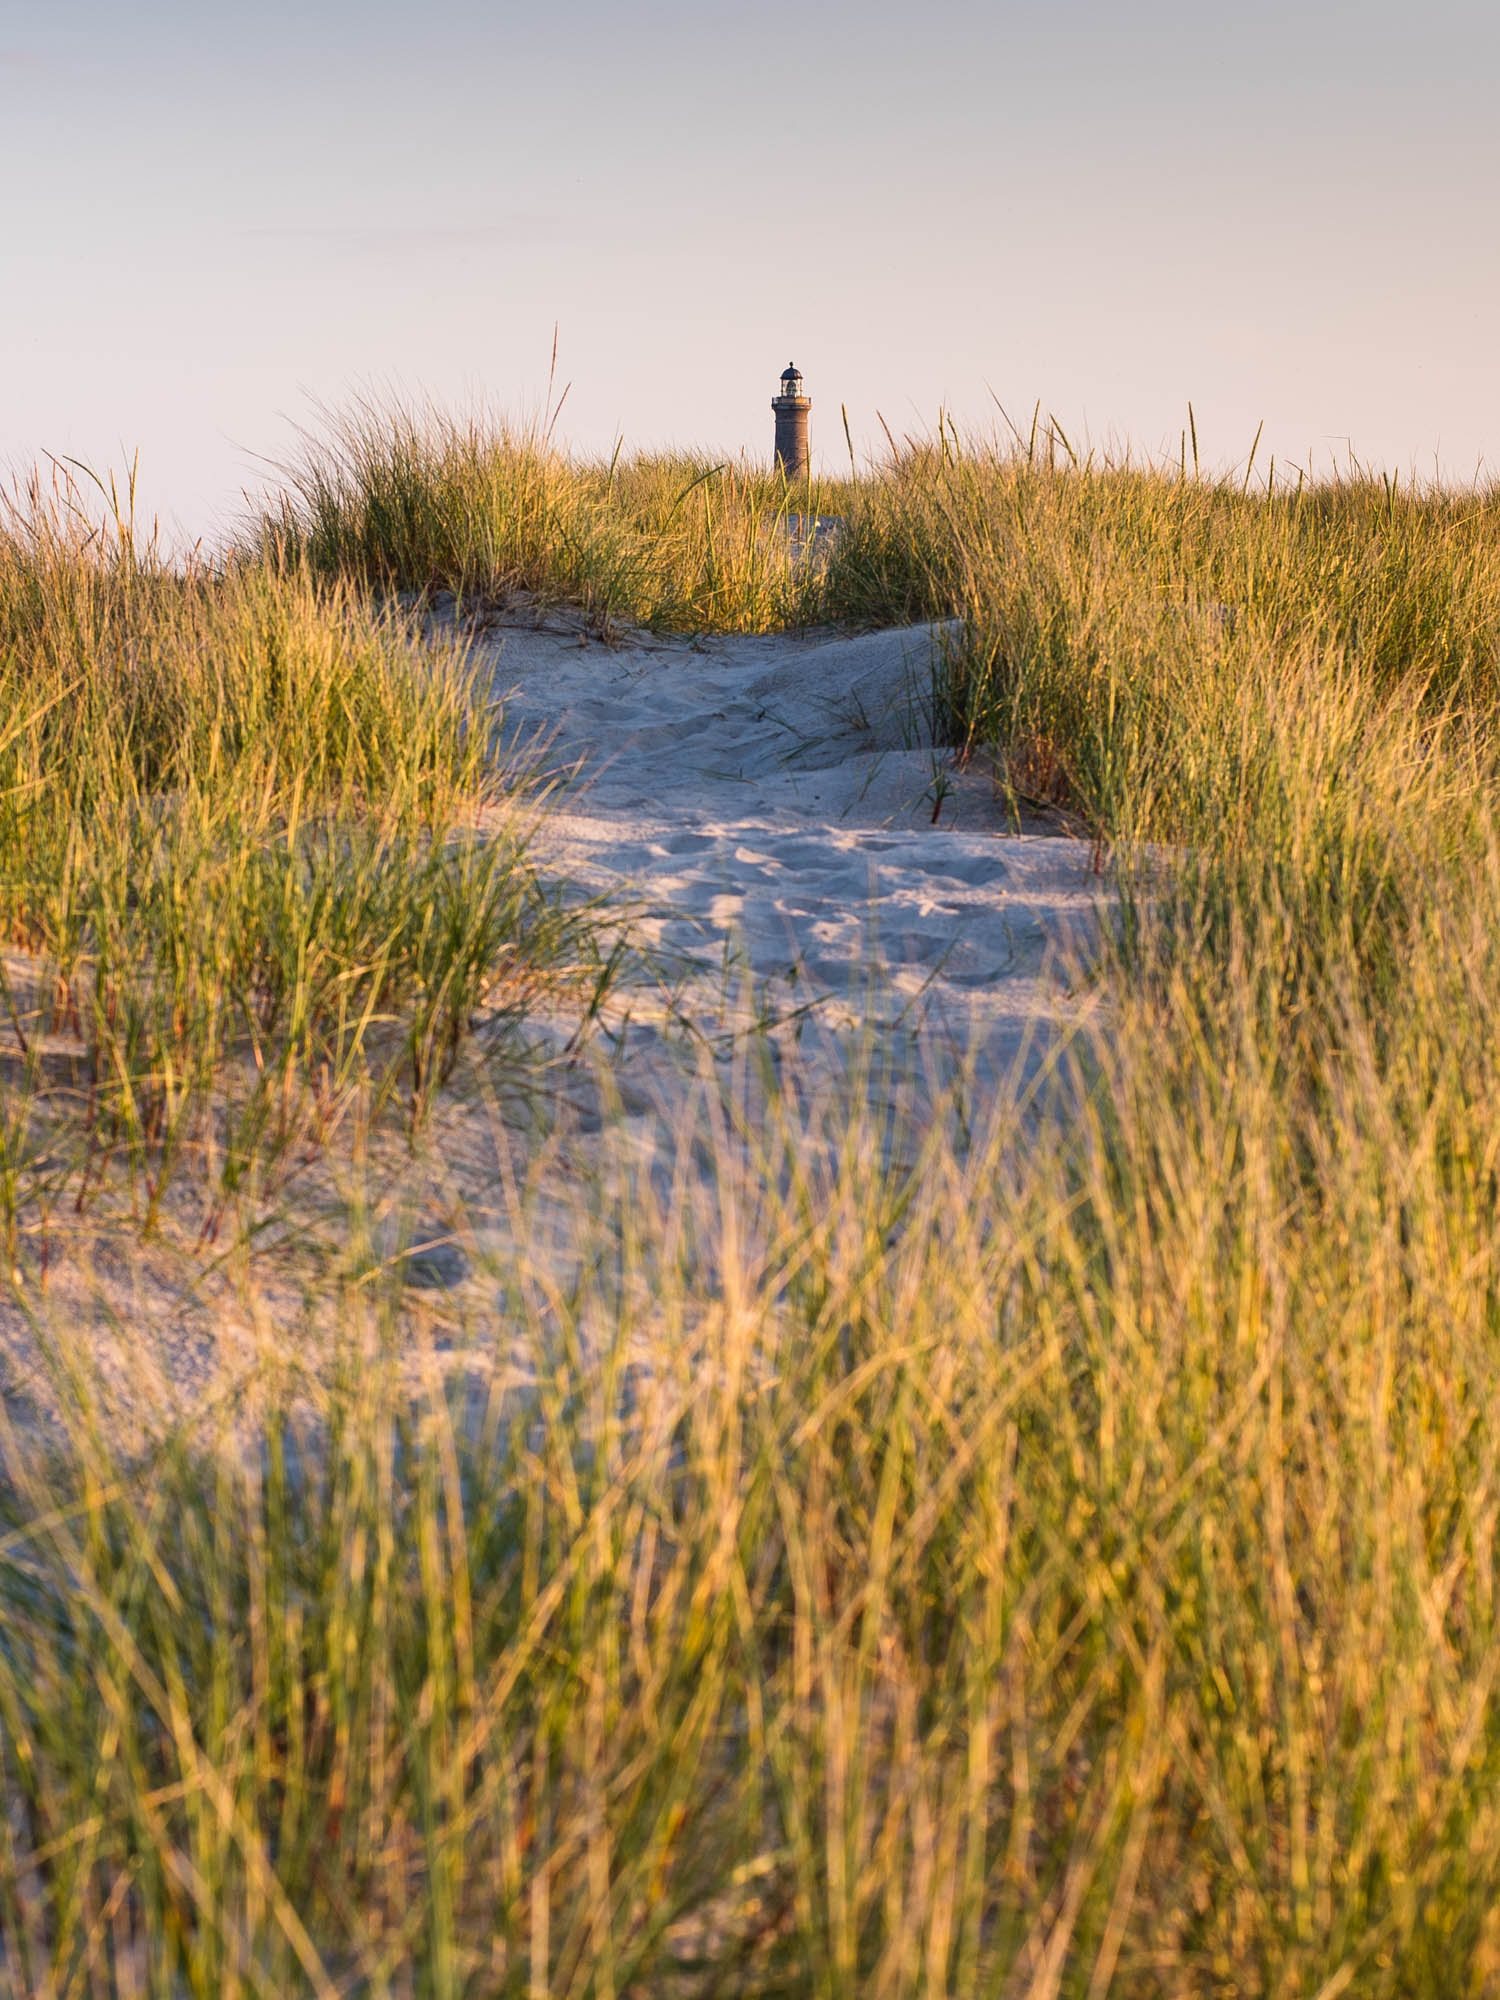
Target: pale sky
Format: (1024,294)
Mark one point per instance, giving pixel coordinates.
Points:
(214,215)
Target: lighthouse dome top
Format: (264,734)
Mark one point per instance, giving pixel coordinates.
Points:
(791,380)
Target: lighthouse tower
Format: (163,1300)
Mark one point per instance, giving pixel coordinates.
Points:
(791,408)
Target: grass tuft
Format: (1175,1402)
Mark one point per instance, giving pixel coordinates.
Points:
(256,853)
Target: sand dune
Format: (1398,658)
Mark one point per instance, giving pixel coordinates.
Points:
(760,812)
(777,806)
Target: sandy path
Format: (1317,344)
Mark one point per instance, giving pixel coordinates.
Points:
(768,804)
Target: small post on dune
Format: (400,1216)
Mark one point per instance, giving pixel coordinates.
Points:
(791,408)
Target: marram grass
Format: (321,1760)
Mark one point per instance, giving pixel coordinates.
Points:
(414,500)
(1058,1558)
(257,849)
(1065,1564)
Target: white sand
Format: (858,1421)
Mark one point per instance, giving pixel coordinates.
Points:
(769,805)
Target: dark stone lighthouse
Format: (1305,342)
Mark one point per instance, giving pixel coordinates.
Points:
(791,408)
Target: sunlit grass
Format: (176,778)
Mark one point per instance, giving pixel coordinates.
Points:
(256,852)
(1070,1558)
(412,499)
(1053,1554)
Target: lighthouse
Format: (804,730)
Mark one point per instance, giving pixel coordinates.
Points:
(791,408)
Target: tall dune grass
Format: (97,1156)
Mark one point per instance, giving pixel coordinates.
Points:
(241,866)
(1120,623)
(412,499)
(1064,1564)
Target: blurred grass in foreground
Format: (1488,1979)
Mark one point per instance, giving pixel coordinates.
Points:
(1063,1566)
(1066,1564)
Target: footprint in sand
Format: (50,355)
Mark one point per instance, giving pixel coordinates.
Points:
(835,794)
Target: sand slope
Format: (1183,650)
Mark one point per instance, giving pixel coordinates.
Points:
(768,804)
